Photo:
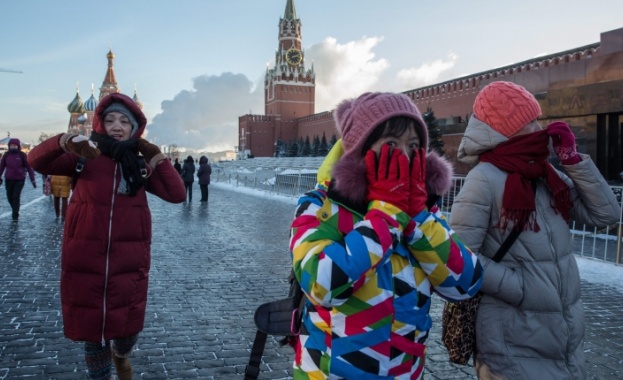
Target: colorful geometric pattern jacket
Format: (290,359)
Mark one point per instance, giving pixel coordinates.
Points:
(369,280)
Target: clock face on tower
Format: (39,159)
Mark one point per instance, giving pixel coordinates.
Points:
(294,56)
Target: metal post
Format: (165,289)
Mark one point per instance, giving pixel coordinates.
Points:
(617,260)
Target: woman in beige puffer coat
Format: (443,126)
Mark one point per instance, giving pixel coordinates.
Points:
(60,189)
(530,322)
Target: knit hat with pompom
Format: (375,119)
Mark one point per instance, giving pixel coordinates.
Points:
(506,107)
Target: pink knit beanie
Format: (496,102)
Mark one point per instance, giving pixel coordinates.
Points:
(357,118)
(506,107)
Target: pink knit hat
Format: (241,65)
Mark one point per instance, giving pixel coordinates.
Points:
(357,118)
(506,107)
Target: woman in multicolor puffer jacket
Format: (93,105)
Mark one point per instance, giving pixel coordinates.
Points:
(369,247)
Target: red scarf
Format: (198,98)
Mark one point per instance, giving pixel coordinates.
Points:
(524,158)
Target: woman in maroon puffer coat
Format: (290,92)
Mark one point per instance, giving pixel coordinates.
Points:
(107,237)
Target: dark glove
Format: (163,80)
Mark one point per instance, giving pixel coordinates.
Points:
(417,183)
(80,145)
(563,141)
(388,177)
(34,184)
(151,152)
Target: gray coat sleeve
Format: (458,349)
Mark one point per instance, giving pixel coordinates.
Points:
(471,219)
(594,202)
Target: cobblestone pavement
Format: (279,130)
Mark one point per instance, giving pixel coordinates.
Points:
(212,265)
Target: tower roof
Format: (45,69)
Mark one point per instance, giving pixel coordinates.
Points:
(136,99)
(290,13)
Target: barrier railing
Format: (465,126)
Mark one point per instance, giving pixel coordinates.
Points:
(604,244)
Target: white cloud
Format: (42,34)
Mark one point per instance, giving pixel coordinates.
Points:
(345,70)
(206,118)
(425,74)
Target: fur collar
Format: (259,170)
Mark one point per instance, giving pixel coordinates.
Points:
(349,177)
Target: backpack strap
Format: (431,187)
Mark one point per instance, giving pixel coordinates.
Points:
(82,161)
(252,370)
(142,166)
(79,168)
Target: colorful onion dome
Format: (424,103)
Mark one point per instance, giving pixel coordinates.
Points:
(76,105)
(91,103)
(82,119)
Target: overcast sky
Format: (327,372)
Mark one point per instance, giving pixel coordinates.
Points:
(198,65)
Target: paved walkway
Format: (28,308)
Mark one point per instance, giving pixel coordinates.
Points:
(212,265)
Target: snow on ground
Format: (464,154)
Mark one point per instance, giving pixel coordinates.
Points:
(600,272)
(591,270)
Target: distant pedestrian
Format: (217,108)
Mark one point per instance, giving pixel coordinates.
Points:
(47,185)
(177,166)
(60,186)
(530,322)
(204,172)
(107,238)
(188,176)
(369,247)
(15,163)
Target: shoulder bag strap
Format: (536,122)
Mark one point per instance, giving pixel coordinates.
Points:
(252,370)
(499,255)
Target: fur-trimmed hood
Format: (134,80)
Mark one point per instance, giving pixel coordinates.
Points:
(349,176)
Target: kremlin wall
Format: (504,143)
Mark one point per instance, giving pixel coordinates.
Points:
(581,86)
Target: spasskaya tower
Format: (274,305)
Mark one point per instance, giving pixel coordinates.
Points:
(289,87)
(289,94)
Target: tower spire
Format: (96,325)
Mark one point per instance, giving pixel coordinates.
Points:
(109,85)
(290,13)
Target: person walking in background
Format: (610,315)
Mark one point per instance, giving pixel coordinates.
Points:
(530,322)
(204,172)
(47,185)
(60,187)
(367,250)
(107,238)
(188,176)
(177,166)
(14,165)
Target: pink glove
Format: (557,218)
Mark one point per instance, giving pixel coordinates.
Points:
(417,188)
(388,177)
(564,143)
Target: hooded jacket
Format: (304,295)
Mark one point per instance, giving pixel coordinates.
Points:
(15,164)
(369,282)
(204,172)
(107,238)
(188,170)
(530,322)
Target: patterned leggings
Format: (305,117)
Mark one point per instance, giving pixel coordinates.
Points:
(99,358)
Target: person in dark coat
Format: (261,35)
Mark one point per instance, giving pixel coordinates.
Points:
(177,166)
(204,172)
(107,239)
(16,165)
(188,176)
